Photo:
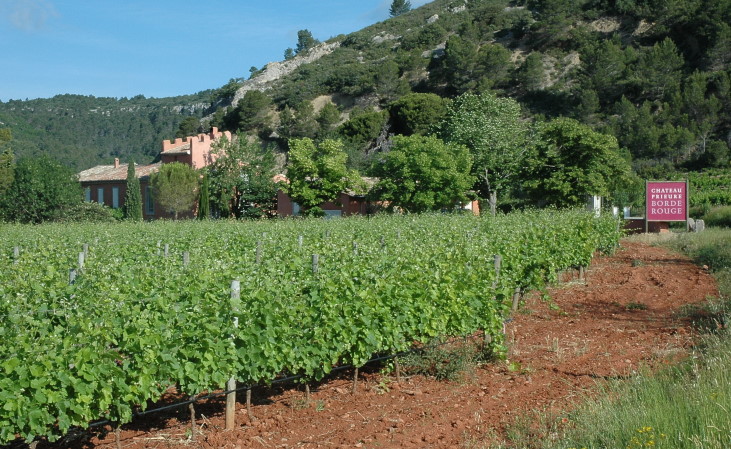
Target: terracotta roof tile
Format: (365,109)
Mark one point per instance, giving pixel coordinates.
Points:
(112,173)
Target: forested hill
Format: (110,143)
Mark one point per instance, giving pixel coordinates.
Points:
(83,131)
(654,73)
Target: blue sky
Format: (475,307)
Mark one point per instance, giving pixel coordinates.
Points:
(157,48)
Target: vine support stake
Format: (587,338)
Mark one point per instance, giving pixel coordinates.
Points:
(355,248)
(300,239)
(72,276)
(497,261)
(191,408)
(315,263)
(16,254)
(81,261)
(85,249)
(355,380)
(582,274)
(397,368)
(258,252)
(231,384)
(516,299)
(167,250)
(186,258)
(252,418)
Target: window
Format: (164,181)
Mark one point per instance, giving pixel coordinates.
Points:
(333,213)
(87,194)
(115,197)
(100,195)
(149,201)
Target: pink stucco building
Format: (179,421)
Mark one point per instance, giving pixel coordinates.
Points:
(107,184)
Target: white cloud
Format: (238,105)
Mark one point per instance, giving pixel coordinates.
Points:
(28,15)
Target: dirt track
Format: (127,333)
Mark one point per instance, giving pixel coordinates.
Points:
(624,317)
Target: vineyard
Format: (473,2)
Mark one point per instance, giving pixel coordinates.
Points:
(98,321)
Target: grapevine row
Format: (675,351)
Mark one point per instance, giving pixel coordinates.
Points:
(135,322)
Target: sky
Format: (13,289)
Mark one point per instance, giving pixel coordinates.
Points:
(157,48)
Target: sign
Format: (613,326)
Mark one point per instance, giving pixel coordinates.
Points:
(667,201)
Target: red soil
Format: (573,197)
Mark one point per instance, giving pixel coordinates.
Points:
(624,317)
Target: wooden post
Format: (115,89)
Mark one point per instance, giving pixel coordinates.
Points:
(16,254)
(85,248)
(581,273)
(315,263)
(355,248)
(299,241)
(248,405)
(516,299)
(81,261)
(355,380)
(72,276)
(167,250)
(231,384)
(497,261)
(186,258)
(258,252)
(383,242)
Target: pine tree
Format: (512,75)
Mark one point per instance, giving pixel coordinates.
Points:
(399,7)
(133,199)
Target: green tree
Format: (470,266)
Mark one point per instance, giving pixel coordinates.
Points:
(399,7)
(417,113)
(460,64)
(422,173)
(204,199)
(571,161)
(253,110)
(175,187)
(190,126)
(42,189)
(531,72)
(658,72)
(240,179)
(132,208)
(327,118)
(496,135)
(318,174)
(305,41)
(7,160)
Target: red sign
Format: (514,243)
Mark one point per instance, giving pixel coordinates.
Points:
(667,201)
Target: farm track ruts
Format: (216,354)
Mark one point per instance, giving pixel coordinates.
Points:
(624,318)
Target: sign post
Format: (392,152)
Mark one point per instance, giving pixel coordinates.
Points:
(666,201)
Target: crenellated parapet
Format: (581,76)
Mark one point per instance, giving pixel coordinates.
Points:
(192,150)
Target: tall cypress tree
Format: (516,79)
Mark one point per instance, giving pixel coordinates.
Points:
(204,201)
(133,198)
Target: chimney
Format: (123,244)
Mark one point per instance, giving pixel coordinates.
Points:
(116,162)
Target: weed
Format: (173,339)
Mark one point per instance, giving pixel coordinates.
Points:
(443,361)
(635,306)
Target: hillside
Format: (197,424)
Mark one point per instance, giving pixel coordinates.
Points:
(83,131)
(654,74)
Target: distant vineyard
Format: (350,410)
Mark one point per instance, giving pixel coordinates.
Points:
(712,188)
(152,307)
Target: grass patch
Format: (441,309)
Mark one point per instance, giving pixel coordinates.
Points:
(718,216)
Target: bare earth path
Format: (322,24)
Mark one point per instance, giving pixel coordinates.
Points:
(623,318)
